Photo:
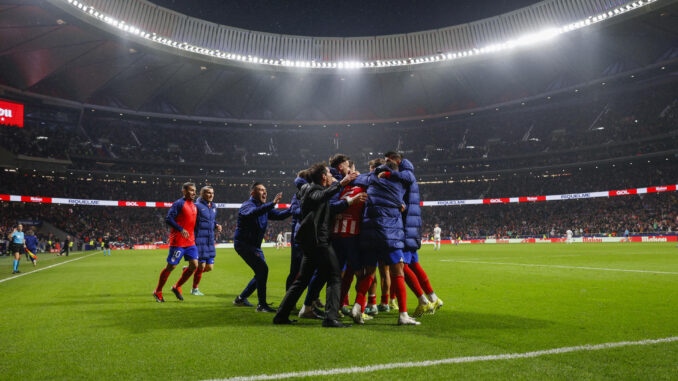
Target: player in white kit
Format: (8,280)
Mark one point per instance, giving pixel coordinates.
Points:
(436,237)
(280,241)
(568,233)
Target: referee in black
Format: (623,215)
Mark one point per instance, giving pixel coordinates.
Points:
(314,238)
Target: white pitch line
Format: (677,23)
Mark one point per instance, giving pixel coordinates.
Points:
(453,360)
(563,267)
(45,268)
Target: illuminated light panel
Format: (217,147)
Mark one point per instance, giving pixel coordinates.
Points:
(522,41)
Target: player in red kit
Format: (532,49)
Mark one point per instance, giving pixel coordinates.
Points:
(181,219)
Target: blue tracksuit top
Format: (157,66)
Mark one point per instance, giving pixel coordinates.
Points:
(205,223)
(382,224)
(32,243)
(295,208)
(253,220)
(412,214)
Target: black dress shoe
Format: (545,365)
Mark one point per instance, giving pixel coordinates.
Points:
(265,308)
(332,323)
(242,302)
(283,320)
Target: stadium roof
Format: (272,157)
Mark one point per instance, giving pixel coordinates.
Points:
(347,18)
(51,51)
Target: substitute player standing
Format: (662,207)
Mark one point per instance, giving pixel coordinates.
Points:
(181,219)
(205,226)
(568,233)
(436,237)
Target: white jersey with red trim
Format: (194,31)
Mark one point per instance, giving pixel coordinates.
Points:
(347,224)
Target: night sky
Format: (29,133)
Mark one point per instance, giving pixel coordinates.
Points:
(342,18)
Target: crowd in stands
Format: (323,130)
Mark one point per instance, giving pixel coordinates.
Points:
(612,140)
(587,127)
(648,214)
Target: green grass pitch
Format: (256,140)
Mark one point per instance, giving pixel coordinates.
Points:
(95,318)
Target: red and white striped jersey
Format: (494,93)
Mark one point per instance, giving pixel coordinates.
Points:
(347,224)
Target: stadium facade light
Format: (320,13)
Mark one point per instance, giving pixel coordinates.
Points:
(521,41)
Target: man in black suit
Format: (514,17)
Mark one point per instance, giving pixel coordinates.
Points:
(314,237)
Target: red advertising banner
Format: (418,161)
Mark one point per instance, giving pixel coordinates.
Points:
(11,114)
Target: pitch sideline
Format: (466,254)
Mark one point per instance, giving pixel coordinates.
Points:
(453,360)
(48,267)
(562,267)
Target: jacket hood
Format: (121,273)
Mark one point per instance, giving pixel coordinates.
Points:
(336,174)
(299,182)
(406,165)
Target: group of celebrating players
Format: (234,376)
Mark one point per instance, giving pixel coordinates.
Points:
(345,225)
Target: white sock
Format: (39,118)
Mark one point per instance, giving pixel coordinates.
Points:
(423,300)
(404,315)
(433,297)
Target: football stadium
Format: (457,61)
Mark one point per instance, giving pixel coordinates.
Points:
(260,190)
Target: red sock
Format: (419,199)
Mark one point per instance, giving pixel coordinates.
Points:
(361,289)
(164,274)
(422,277)
(412,281)
(197,276)
(346,281)
(401,292)
(393,289)
(372,299)
(384,298)
(184,277)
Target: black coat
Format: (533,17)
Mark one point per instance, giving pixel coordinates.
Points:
(314,228)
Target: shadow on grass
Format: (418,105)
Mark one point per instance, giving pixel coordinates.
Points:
(208,312)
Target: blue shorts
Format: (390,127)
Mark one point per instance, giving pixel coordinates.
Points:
(348,252)
(414,256)
(393,256)
(387,257)
(175,254)
(209,259)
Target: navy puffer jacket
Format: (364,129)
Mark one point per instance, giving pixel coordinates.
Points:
(295,207)
(412,214)
(382,224)
(204,227)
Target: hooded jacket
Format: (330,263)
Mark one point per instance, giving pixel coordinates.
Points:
(205,223)
(412,214)
(382,224)
(295,207)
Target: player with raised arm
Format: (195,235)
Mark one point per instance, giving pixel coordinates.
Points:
(206,225)
(181,219)
(250,229)
(436,237)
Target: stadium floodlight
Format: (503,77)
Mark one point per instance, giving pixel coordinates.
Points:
(520,41)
